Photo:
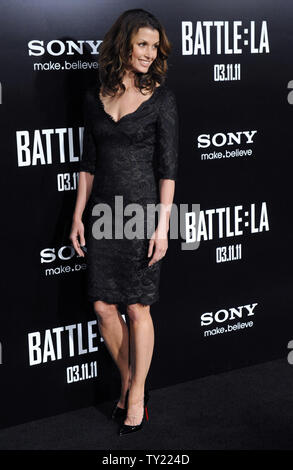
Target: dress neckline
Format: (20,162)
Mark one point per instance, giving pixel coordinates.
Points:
(128,114)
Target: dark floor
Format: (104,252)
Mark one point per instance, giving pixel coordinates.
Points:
(248,408)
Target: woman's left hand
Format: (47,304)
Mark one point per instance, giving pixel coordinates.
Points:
(159,240)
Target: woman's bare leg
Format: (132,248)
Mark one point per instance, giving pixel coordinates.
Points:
(141,351)
(115,334)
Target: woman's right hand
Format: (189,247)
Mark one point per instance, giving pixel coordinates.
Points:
(77,230)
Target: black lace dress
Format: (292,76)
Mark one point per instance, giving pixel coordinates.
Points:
(127,157)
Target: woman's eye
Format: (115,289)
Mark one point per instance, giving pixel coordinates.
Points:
(143,44)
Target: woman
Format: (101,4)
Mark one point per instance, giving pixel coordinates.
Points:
(129,149)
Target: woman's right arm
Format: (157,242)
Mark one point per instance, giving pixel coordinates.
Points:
(84,190)
(87,170)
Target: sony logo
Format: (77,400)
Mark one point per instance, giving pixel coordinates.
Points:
(65,253)
(221,138)
(223,315)
(57,47)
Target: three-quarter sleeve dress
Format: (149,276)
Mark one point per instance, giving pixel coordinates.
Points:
(127,157)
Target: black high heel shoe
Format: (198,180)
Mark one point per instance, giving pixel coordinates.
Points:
(120,413)
(127,429)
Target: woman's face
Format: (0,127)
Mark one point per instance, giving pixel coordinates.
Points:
(145,45)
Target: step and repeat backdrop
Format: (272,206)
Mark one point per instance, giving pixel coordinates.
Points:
(226,282)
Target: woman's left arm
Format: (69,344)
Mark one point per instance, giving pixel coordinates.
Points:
(167,190)
(167,128)
(160,236)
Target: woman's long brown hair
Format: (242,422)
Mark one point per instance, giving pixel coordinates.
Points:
(116,48)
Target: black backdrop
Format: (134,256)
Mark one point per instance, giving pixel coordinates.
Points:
(231,70)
